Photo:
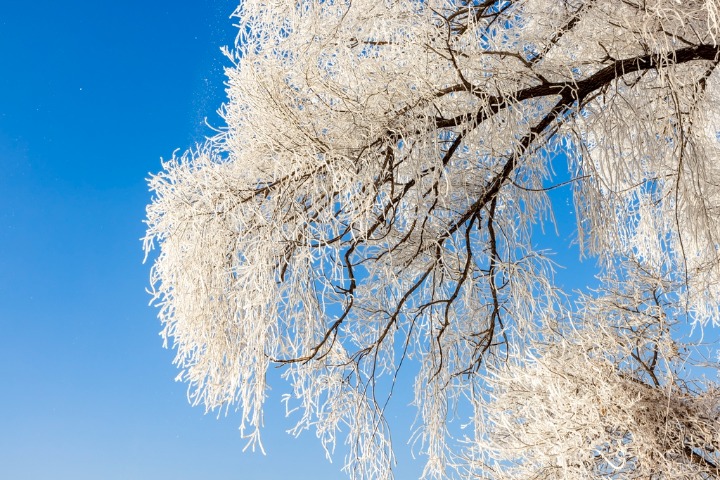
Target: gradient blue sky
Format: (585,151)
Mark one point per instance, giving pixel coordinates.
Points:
(92,94)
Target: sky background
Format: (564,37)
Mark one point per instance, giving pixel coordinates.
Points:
(92,95)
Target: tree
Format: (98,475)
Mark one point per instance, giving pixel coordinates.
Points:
(373,209)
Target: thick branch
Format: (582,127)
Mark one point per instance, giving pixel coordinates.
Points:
(582,88)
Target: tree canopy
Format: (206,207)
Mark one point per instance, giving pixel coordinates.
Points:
(372,208)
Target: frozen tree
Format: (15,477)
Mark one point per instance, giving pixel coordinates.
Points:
(375,207)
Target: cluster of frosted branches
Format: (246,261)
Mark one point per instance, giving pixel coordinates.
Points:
(602,396)
(373,199)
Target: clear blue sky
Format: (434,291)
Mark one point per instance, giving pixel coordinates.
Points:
(92,94)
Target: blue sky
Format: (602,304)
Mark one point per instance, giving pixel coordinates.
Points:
(92,94)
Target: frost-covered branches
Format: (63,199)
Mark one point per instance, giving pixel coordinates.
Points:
(601,396)
(371,205)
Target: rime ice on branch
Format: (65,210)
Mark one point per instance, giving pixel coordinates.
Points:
(370,206)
